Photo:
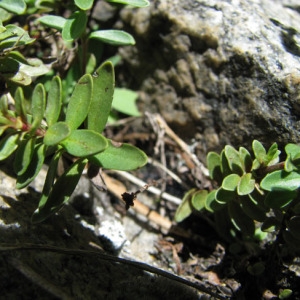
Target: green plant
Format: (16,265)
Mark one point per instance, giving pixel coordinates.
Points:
(16,69)
(44,130)
(254,196)
(55,117)
(76,28)
(285,294)
(125,103)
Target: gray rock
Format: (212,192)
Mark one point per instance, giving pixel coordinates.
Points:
(50,264)
(220,71)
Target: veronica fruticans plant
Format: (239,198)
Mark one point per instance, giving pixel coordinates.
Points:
(46,129)
(254,195)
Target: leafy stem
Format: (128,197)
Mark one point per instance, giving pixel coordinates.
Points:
(261,172)
(77,132)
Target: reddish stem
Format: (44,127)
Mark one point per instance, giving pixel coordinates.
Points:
(265,170)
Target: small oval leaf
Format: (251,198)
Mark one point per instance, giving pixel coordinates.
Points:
(57,133)
(74,26)
(199,199)
(14,6)
(211,204)
(51,21)
(185,207)
(8,145)
(20,103)
(83,142)
(233,158)
(14,35)
(272,155)
(246,185)
(24,155)
(4,104)
(61,191)
(214,166)
(285,294)
(122,157)
(34,167)
(113,37)
(289,165)
(246,159)
(103,90)
(281,180)
(231,182)
(79,103)
(125,102)
(259,151)
(84,4)
(136,3)
(54,101)
(37,106)
(225,169)
(292,149)
(50,178)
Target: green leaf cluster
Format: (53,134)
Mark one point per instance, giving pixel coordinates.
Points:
(75,26)
(30,6)
(14,67)
(90,47)
(59,117)
(45,129)
(254,192)
(13,6)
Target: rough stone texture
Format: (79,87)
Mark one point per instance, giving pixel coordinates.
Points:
(40,274)
(220,71)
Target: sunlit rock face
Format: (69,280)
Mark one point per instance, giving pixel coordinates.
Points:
(218,71)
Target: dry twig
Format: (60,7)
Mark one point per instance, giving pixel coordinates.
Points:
(151,189)
(184,147)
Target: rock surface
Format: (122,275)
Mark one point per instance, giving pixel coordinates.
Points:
(218,71)
(41,273)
